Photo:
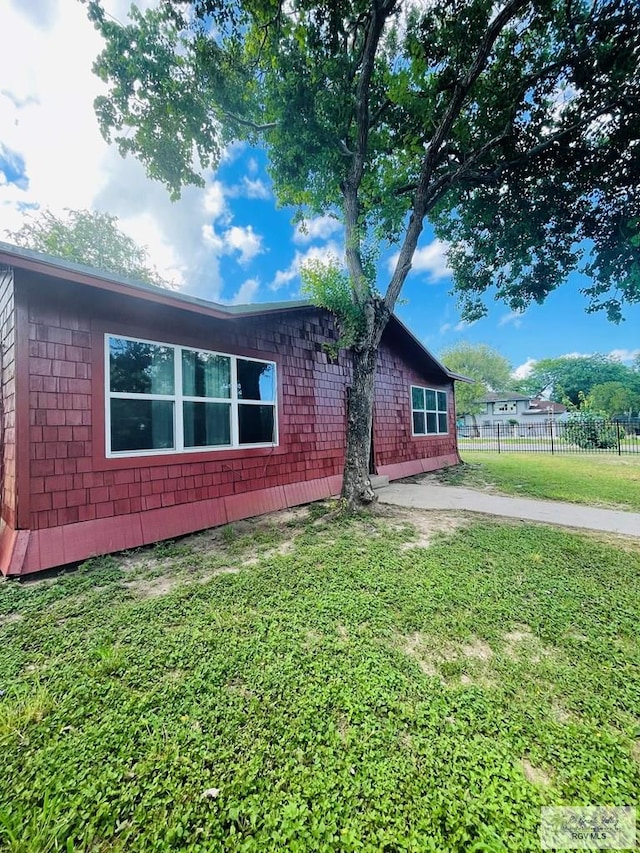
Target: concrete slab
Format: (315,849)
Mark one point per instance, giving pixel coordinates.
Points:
(433,496)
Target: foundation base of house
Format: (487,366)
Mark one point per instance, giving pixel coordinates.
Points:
(23,552)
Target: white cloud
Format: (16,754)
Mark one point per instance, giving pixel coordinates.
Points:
(431,259)
(523,370)
(46,111)
(250,188)
(46,116)
(246,292)
(331,251)
(624,354)
(445,327)
(514,317)
(245,241)
(41,13)
(214,203)
(319,228)
(463,324)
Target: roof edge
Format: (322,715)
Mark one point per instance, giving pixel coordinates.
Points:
(44,264)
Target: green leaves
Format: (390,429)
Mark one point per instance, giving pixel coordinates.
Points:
(328,285)
(353,690)
(91,238)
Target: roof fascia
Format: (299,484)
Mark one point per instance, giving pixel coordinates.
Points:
(455,376)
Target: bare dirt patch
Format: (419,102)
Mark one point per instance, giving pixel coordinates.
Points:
(153,587)
(560,713)
(279,551)
(441,660)
(416,647)
(521,642)
(10,619)
(535,774)
(427,524)
(478,649)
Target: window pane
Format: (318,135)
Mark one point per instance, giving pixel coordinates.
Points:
(206,424)
(418,423)
(417,398)
(141,425)
(256,424)
(442,423)
(442,401)
(430,399)
(256,380)
(205,374)
(137,368)
(431,423)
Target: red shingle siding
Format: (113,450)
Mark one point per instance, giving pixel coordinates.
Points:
(8,397)
(80,503)
(392,440)
(63,490)
(60,363)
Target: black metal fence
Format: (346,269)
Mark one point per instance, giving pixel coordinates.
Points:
(572,436)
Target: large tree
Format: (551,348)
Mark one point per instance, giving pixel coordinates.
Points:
(568,377)
(512,126)
(617,399)
(489,370)
(88,237)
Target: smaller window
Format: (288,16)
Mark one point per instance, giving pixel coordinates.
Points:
(428,411)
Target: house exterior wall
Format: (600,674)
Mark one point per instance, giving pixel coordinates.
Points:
(8,512)
(397,452)
(79,503)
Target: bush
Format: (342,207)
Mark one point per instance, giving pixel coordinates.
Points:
(590,430)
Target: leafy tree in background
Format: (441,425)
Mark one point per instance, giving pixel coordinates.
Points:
(565,378)
(489,369)
(88,237)
(617,399)
(512,127)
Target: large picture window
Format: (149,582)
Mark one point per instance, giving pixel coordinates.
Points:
(428,411)
(162,398)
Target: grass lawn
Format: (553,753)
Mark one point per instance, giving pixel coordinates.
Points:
(612,481)
(349,690)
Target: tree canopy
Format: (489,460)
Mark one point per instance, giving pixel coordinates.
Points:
(490,371)
(88,237)
(567,377)
(513,127)
(617,399)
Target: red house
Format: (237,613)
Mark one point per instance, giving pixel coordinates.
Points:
(132,414)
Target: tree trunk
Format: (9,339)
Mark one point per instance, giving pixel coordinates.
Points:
(356,485)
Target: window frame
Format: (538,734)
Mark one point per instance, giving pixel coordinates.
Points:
(178,398)
(437,411)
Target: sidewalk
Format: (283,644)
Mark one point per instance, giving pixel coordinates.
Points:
(430,496)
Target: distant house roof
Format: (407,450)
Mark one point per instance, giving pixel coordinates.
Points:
(43,264)
(538,405)
(503,396)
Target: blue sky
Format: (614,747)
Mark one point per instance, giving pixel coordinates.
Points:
(228,241)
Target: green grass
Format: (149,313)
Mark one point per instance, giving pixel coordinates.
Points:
(610,481)
(345,692)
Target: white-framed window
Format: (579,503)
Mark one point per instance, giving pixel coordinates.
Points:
(428,411)
(162,398)
(506,407)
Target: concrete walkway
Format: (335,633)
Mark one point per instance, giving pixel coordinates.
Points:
(433,496)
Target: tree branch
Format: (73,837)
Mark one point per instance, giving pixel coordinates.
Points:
(416,221)
(259,128)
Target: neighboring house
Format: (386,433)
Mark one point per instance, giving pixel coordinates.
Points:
(517,410)
(133,414)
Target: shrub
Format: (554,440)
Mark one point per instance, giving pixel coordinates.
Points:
(591,430)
